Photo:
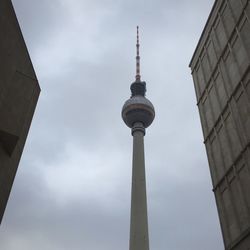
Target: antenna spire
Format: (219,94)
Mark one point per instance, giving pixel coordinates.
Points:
(138,76)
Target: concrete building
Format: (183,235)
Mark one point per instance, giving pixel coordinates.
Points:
(19,91)
(138,113)
(221,73)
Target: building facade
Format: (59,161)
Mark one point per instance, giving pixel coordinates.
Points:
(19,92)
(221,73)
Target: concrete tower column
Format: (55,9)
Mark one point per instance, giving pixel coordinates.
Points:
(138,113)
(139,219)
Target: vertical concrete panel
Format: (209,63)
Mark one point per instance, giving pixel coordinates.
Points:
(203,120)
(225,76)
(224,144)
(221,35)
(244,32)
(230,214)
(205,67)
(244,178)
(207,112)
(236,7)
(214,102)
(238,120)
(234,143)
(246,82)
(211,54)
(240,54)
(201,79)
(218,158)
(238,201)
(248,10)
(227,19)
(244,110)
(215,40)
(212,168)
(231,68)
(222,95)
(222,212)
(196,85)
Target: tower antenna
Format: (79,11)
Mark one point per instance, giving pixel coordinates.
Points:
(138,76)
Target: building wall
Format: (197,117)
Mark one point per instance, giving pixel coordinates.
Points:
(19,91)
(221,73)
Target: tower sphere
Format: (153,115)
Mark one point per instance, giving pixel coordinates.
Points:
(138,109)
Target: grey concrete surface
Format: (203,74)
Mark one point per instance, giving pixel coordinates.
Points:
(19,91)
(221,73)
(139,218)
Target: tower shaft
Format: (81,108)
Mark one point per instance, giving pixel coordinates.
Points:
(138,113)
(138,218)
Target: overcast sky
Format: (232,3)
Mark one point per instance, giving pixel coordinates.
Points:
(72,188)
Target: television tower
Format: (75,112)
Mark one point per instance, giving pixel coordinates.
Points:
(138,113)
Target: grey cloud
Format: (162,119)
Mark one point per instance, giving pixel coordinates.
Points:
(83,53)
